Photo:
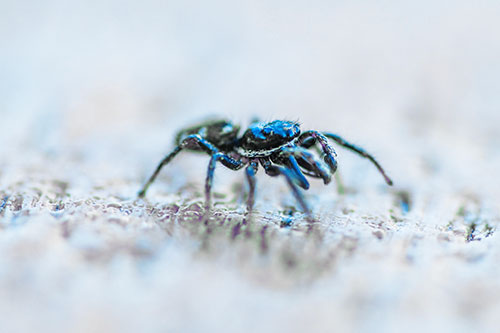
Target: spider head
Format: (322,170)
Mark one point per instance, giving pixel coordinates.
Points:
(267,136)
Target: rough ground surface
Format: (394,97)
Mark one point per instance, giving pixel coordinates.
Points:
(80,252)
(88,106)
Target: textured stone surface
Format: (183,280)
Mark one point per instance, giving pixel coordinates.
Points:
(80,252)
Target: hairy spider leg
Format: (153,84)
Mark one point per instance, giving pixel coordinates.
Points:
(307,142)
(286,157)
(308,169)
(309,138)
(275,170)
(310,164)
(359,151)
(228,162)
(194,140)
(250,171)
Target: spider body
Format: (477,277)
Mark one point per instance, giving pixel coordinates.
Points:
(278,146)
(262,139)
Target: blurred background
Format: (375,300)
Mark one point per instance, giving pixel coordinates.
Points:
(416,83)
(130,74)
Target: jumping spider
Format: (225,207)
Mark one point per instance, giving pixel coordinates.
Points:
(279,146)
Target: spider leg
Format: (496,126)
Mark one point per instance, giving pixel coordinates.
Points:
(359,151)
(287,158)
(275,170)
(228,162)
(308,169)
(163,162)
(194,141)
(308,142)
(251,170)
(313,167)
(309,138)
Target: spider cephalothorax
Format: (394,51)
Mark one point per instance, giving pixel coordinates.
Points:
(260,139)
(278,146)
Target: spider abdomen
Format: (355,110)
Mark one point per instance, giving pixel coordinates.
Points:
(219,132)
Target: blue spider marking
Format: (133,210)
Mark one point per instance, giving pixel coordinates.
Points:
(284,129)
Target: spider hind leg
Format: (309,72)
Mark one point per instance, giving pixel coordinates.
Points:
(196,142)
(165,161)
(193,142)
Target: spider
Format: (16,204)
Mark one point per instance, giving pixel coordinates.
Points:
(278,146)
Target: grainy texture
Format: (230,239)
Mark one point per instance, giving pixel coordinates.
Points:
(80,252)
(89,105)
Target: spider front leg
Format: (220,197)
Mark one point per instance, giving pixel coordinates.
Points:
(309,138)
(311,165)
(287,158)
(291,178)
(359,151)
